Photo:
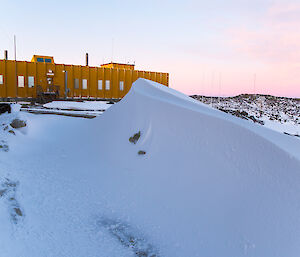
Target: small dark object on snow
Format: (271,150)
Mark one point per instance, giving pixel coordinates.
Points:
(2,192)
(135,137)
(5,108)
(293,135)
(3,146)
(16,123)
(18,211)
(129,237)
(11,132)
(141,152)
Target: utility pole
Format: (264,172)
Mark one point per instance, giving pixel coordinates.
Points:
(112,49)
(220,78)
(16,77)
(87,59)
(66,84)
(254,84)
(212,84)
(15,47)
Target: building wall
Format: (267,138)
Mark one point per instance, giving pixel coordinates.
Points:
(14,73)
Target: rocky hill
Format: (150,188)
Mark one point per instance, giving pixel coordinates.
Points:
(278,113)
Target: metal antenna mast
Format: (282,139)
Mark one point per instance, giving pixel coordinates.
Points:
(254,84)
(112,49)
(220,80)
(212,83)
(16,77)
(15,47)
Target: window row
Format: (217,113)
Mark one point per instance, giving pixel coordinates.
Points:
(46,60)
(21,83)
(100,84)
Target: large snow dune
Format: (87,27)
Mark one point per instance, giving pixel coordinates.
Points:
(208,184)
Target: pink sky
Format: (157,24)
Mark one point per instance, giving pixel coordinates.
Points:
(211,47)
(265,58)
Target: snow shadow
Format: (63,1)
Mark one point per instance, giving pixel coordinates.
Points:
(129,237)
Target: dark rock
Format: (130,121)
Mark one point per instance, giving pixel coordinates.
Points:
(135,137)
(18,211)
(17,123)
(5,108)
(11,132)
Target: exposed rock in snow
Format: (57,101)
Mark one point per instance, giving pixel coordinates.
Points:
(5,107)
(8,193)
(3,146)
(278,113)
(17,123)
(135,137)
(8,121)
(129,237)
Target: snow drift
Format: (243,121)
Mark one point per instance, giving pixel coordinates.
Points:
(208,184)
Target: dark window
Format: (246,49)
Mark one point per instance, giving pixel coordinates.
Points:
(48,60)
(40,59)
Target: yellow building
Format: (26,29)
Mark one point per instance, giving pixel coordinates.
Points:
(42,59)
(43,78)
(115,65)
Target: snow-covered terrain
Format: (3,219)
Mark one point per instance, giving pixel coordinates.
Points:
(278,113)
(86,109)
(84,105)
(157,174)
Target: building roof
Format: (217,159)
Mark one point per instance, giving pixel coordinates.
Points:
(118,65)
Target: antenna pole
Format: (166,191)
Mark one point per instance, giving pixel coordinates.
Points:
(254,84)
(15,47)
(212,84)
(203,83)
(220,79)
(112,49)
(16,77)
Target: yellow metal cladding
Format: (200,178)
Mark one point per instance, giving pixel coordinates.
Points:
(19,79)
(118,66)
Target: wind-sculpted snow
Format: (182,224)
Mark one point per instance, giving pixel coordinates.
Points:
(209,184)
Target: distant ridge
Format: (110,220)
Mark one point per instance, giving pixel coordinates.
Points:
(279,113)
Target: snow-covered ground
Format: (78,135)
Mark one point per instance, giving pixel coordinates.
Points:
(278,113)
(157,174)
(87,109)
(84,105)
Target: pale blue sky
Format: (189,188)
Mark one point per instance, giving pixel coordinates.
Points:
(197,42)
